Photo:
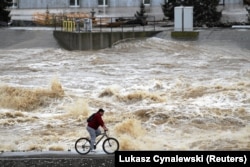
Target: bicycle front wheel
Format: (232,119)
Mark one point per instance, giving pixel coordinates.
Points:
(110,145)
(82,146)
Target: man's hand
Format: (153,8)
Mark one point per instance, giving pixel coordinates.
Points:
(105,128)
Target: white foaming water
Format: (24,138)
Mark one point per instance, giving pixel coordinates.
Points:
(158,94)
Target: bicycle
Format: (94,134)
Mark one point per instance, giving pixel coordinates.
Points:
(109,145)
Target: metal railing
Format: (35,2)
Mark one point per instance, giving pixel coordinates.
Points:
(104,24)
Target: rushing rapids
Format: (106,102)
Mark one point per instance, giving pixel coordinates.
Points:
(158,94)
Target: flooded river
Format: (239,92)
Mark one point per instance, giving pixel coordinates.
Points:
(158,94)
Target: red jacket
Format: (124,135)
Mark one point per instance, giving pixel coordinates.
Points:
(96,122)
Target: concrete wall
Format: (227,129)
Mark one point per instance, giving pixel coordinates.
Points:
(37,4)
(88,3)
(96,40)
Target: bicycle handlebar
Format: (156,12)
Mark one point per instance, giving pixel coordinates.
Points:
(105,132)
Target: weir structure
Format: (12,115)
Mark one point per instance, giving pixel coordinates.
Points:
(101,32)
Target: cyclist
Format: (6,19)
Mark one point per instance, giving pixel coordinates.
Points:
(93,127)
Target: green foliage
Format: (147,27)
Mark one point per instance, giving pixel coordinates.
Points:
(185,34)
(205,12)
(246,2)
(141,16)
(248,15)
(4,14)
(168,8)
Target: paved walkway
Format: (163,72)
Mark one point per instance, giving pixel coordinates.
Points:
(54,159)
(51,154)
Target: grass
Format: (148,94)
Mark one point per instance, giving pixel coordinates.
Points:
(185,34)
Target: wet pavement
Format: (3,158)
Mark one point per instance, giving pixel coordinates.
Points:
(54,159)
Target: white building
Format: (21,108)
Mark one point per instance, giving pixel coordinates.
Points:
(40,4)
(24,9)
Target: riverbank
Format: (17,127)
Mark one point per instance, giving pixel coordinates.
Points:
(239,37)
(21,37)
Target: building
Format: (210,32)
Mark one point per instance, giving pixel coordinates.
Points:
(40,4)
(24,9)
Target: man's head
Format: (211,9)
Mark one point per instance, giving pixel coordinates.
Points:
(101,111)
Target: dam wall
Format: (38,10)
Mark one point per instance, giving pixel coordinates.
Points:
(96,40)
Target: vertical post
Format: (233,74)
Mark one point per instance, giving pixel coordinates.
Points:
(122,32)
(122,28)
(78,25)
(182,19)
(182,15)
(104,7)
(74,25)
(100,24)
(54,18)
(111,23)
(154,23)
(62,23)
(134,31)
(69,26)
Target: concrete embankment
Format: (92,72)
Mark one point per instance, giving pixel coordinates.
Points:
(55,159)
(96,40)
(101,40)
(27,37)
(13,38)
(239,37)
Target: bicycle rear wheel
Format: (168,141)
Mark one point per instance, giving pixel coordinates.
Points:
(110,145)
(82,146)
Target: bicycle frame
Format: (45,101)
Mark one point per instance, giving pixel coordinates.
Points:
(104,134)
(109,145)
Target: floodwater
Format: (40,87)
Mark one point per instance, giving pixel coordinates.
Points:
(158,94)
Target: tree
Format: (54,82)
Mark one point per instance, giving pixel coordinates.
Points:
(248,15)
(168,8)
(4,14)
(205,12)
(141,16)
(247,2)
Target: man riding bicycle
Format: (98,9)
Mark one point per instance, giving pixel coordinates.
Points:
(93,127)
